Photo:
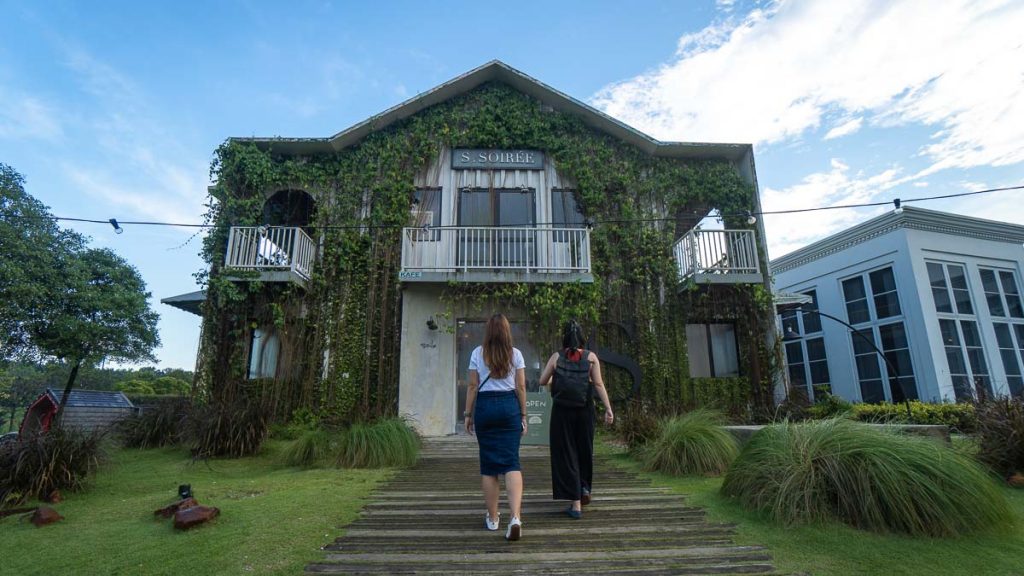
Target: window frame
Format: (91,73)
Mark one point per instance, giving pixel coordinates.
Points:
(809,333)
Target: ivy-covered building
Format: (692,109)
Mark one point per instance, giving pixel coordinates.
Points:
(351,275)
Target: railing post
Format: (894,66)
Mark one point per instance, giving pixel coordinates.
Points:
(231,243)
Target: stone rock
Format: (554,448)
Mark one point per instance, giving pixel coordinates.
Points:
(45,515)
(179,505)
(1017,480)
(194,516)
(54,497)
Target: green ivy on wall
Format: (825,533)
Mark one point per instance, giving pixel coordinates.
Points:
(346,322)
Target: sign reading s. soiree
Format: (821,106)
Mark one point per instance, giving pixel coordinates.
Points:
(471,158)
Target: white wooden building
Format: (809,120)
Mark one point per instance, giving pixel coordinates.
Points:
(935,297)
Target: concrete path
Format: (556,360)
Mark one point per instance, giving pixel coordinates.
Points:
(429,520)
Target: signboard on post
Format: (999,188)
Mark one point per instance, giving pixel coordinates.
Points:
(538,418)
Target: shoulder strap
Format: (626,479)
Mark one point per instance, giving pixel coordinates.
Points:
(484,382)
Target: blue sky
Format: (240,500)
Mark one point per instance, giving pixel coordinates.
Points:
(113,109)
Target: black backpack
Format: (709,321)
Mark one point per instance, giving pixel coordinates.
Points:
(571,386)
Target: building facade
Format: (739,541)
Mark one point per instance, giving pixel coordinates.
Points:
(352,275)
(934,302)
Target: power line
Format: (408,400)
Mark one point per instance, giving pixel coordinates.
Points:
(896,202)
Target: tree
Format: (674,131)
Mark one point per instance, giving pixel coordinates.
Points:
(62,300)
(32,245)
(169,385)
(136,387)
(101,313)
(19,386)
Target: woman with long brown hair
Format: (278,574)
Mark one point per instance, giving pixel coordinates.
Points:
(496,411)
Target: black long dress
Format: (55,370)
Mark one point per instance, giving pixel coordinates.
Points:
(572,451)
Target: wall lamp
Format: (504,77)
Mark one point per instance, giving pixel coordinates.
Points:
(431,325)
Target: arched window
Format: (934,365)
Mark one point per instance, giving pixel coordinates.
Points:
(289,208)
(265,349)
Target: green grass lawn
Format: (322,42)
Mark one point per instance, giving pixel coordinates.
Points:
(835,549)
(273,519)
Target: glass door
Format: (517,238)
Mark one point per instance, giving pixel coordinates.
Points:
(483,212)
(468,335)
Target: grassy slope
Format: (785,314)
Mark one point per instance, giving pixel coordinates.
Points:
(273,520)
(835,549)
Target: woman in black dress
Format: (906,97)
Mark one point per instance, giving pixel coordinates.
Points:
(574,375)
(496,412)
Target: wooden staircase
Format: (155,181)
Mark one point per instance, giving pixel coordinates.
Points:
(430,520)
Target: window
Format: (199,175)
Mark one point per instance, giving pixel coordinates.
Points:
(888,376)
(949,288)
(426,211)
(265,348)
(711,349)
(965,357)
(806,359)
(565,213)
(1001,293)
(481,209)
(1004,303)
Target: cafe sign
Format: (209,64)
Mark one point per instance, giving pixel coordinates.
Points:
(481,159)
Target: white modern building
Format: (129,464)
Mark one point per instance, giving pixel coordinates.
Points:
(934,299)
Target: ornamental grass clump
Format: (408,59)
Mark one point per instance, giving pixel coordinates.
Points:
(870,477)
(156,426)
(1001,435)
(691,444)
(311,449)
(61,458)
(389,443)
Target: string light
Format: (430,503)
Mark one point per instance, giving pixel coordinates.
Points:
(751,217)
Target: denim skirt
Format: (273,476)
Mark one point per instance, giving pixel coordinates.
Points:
(499,428)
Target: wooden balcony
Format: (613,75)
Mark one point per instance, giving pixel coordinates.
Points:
(718,256)
(276,253)
(496,254)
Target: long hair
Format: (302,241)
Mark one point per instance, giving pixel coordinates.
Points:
(498,346)
(573,340)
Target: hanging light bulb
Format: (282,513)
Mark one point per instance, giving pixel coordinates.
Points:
(898,205)
(117,227)
(751,219)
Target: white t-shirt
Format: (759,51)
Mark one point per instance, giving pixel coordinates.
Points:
(476,362)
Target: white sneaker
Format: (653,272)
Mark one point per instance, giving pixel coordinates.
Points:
(491,524)
(515,529)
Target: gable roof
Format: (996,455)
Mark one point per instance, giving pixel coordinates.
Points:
(911,218)
(91,398)
(498,71)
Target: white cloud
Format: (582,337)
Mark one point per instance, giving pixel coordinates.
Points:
(787,232)
(146,171)
(956,65)
(845,129)
(24,117)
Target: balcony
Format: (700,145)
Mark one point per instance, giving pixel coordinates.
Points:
(277,253)
(718,257)
(496,254)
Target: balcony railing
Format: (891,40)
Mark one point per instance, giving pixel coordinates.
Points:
(718,256)
(476,248)
(270,249)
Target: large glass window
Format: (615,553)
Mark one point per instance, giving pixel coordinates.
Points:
(871,299)
(1001,293)
(483,211)
(264,350)
(966,358)
(712,351)
(1011,346)
(806,359)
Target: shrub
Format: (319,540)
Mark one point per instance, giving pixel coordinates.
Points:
(155,426)
(1001,435)
(869,477)
(638,425)
(382,444)
(694,443)
(829,406)
(232,429)
(35,465)
(311,449)
(960,417)
(303,420)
